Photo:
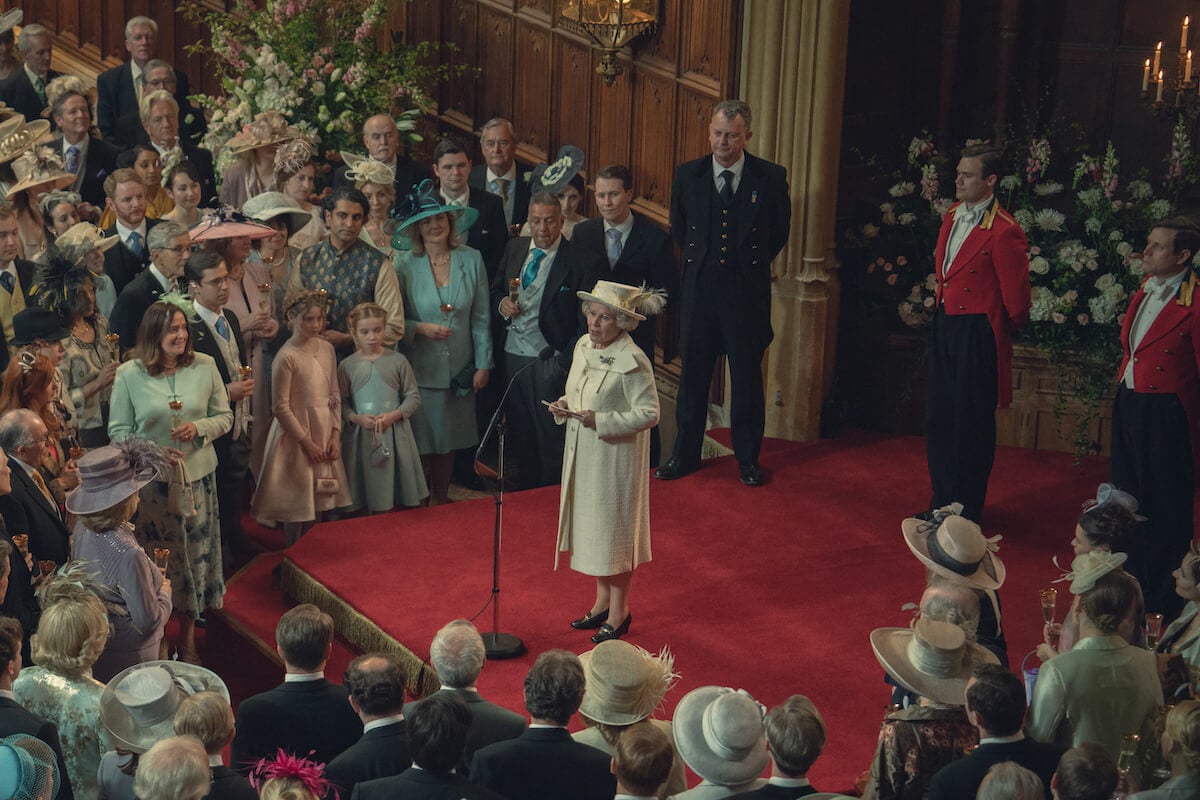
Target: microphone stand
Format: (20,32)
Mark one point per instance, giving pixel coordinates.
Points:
(497,645)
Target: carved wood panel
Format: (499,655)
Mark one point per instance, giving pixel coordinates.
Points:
(458,94)
(532,85)
(572,92)
(611,114)
(654,157)
(705,46)
(495,59)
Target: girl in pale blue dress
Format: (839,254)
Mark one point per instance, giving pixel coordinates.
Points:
(379,395)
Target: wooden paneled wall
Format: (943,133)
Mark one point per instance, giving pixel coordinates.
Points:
(542,76)
(91,34)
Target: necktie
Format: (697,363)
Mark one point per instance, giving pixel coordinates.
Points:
(7,281)
(531,269)
(39,86)
(135,244)
(73,159)
(502,186)
(727,187)
(223,328)
(41,484)
(613,246)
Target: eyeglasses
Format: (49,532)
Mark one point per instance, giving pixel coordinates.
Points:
(216,281)
(176,249)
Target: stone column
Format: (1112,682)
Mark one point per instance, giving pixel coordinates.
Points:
(792,75)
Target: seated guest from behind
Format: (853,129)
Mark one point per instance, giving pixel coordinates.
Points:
(1105,687)
(795,739)
(719,734)
(286,777)
(996,707)
(438,729)
(375,682)
(1181,748)
(173,769)
(1010,781)
(544,761)
(208,717)
(457,656)
(643,760)
(304,713)
(1085,772)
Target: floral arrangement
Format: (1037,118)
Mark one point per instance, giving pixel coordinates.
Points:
(314,61)
(1085,226)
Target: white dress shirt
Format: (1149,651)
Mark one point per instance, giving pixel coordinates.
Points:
(1158,293)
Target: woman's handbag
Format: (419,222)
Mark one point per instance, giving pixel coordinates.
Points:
(181,500)
(324,481)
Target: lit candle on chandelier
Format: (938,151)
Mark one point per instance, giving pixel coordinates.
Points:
(1158,99)
(1187,68)
(1157,58)
(1183,36)
(1146,77)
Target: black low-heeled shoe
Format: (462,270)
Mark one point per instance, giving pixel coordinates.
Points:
(589,620)
(607,631)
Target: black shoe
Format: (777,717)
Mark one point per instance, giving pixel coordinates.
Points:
(607,631)
(589,621)
(676,467)
(751,474)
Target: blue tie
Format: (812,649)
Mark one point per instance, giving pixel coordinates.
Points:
(531,269)
(223,328)
(135,244)
(614,246)
(7,281)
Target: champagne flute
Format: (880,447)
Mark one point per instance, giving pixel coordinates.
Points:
(245,372)
(1049,598)
(1153,629)
(176,412)
(264,301)
(161,556)
(1053,633)
(21,540)
(1129,746)
(514,289)
(114,341)
(446,310)
(47,567)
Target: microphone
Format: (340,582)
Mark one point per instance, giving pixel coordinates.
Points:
(547,353)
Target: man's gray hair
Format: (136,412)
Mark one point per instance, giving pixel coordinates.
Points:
(175,768)
(158,63)
(545,199)
(34,31)
(732,109)
(154,98)
(496,122)
(16,429)
(162,234)
(457,654)
(138,22)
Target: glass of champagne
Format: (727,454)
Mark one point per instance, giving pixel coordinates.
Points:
(47,567)
(1053,633)
(514,289)
(264,301)
(447,309)
(1153,629)
(245,372)
(114,341)
(21,540)
(176,412)
(161,556)
(1049,598)
(1127,757)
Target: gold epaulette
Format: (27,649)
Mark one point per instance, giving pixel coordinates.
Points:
(1187,290)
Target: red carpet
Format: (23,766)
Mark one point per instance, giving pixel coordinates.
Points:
(773,590)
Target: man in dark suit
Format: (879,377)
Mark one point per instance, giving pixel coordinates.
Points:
(996,706)
(88,158)
(219,335)
(795,739)
(120,89)
(17,598)
(731,215)
(1155,449)
(126,196)
(30,508)
(159,112)
(489,234)
(637,251)
(25,90)
(381,137)
(16,275)
(498,173)
(376,685)
(438,729)
(457,656)
(982,270)
(545,761)
(13,717)
(545,319)
(304,713)
(168,243)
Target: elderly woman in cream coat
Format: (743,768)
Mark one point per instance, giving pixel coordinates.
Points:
(609,407)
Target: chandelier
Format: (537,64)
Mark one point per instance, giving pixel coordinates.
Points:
(611,24)
(1171,92)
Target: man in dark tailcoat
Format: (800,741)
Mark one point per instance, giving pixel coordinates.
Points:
(731,215)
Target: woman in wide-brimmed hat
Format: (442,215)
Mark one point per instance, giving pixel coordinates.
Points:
(1066,708)
(625,685)
(38,171)
(374,180)
(933,660)
(719,734)
(255,145)
(138,708)
(609,407)
(9,63)
(136,593)
(447,335)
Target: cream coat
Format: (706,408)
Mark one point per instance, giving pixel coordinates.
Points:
(604,510)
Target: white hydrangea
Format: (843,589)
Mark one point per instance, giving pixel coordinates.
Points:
(907,218)
(1043,303)
(1024,218)
(1140,190)
(1009,182)
(1090,197)
(1159,209)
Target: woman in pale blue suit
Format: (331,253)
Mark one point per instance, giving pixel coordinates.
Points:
(446,339)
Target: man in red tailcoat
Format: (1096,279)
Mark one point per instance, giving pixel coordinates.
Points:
(1157,408)
(982,268)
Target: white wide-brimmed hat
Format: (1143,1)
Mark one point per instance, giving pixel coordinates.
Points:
(267,128)
(719,733)
(636,301)
(272,205)
(624,682)
(17,135)
(82,238)
(932,658)
(11,19)
(38,168)
(955,548)
(1089,567)
(137,707)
